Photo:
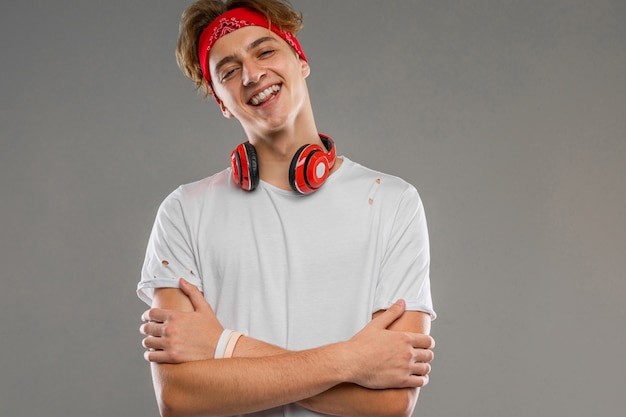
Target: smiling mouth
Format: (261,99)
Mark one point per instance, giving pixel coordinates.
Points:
(265,95)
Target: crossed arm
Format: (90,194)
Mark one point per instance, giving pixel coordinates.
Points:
(377,372)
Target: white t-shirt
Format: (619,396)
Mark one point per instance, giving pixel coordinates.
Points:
(295,271)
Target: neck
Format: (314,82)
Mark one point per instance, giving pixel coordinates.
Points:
(276,149)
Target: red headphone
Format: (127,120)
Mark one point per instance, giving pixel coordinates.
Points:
(309,167)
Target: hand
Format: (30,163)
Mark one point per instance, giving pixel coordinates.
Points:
(175,336)
(391,359)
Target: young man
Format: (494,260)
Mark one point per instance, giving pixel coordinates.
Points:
(321,264)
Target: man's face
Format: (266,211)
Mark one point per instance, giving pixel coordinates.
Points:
(259,79)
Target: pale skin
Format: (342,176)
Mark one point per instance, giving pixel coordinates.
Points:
(377,372)
(241,68)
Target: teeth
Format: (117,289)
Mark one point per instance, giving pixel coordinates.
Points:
(264,94)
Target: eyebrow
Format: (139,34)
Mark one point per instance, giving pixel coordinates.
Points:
(250,47)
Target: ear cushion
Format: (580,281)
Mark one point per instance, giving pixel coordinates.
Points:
(329,144)
(244,164)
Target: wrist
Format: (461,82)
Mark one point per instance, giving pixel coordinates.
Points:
(342,362)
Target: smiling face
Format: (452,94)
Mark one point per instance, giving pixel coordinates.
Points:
(259,80)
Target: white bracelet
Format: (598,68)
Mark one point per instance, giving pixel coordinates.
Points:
(230,346)
(221,344)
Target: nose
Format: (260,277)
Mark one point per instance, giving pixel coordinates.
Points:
(252,72)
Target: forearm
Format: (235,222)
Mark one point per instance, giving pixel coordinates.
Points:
(345,399)
(261,376)
(244,385)
(350,400)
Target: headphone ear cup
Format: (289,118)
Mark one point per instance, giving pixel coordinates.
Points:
(235,163)
(317,169)
(309,169)
(245,166)
(293,170)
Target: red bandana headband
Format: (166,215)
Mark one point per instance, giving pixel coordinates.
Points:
(231,21)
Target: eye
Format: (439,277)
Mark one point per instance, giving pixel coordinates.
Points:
(227,74)
(266,53)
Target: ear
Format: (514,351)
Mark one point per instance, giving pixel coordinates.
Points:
(306,69)
(225,112)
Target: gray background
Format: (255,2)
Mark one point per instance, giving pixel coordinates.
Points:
(508,116)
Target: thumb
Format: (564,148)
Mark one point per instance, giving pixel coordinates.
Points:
(193,293)
(393,313)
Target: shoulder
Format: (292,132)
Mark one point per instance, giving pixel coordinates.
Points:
(385,185)
(197,190)
(195,194)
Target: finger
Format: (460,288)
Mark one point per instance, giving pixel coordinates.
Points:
(195,296)
(145,315)
(152,329)
(414,381)
(432,342)
(423,355)
(419,381)
(421,341)
(155,314)
(153,343)
(390,315)
(421,369)
(156,356)
(161,356)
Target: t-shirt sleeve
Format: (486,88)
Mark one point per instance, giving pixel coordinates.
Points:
(405,269)
(169,254)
